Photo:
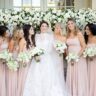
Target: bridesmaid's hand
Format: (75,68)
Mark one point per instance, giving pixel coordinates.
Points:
(82,43)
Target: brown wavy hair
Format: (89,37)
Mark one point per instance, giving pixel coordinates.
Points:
(75,29)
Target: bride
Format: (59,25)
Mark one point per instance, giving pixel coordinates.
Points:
(43,78)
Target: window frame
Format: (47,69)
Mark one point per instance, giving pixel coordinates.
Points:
(43,6)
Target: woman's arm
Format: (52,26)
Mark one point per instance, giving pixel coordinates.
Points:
(11,45)
(82,43)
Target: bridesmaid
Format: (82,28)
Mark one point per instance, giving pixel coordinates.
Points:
(77,78)
(29,35)
(11,74)
(3,46)
(90,30)
(22,70)
(26,43)
(59,37)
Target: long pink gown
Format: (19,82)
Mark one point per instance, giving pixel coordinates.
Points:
(92,73)
(21,75)
(11,79)
(77,77)
(4,46)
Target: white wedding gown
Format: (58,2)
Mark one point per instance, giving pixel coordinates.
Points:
(43,78)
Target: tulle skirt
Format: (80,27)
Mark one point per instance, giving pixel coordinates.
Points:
(43,79)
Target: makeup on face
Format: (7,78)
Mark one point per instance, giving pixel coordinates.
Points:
(44,27)
(87,30)
(31,31)
(71,25)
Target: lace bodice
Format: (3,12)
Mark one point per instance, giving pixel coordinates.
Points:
(45,41)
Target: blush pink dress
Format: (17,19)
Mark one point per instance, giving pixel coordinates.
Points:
(92,73)
(4,46)
(77,77)
(21,75)
(11,77)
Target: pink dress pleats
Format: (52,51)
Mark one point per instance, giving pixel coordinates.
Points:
(92,73)
(77,76)
(3,46)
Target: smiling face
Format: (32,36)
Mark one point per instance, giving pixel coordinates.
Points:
(71,25)
(31,31)
(87,30)
(44,27)
(58,29)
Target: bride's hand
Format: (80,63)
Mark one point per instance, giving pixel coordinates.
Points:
(37,58)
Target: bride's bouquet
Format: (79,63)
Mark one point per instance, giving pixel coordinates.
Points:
(23,58)
(36,53)
(72,57)
(90,52)
(60,47)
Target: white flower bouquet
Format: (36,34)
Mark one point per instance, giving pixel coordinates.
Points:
(12,65)
(5,55)
(10,62)
(36,53)
(72,57)
(89,52)
(60,47)
(23,58)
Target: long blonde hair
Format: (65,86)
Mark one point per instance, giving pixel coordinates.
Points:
(61,25)
(14,40)
(75,29)
(15,31)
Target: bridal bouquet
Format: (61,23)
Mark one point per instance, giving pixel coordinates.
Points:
(36,52)
(59,46)
(23,58)
(72,57)
(90,52)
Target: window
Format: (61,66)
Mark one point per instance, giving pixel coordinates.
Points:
(43,4)
(33,4)
(60,4)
